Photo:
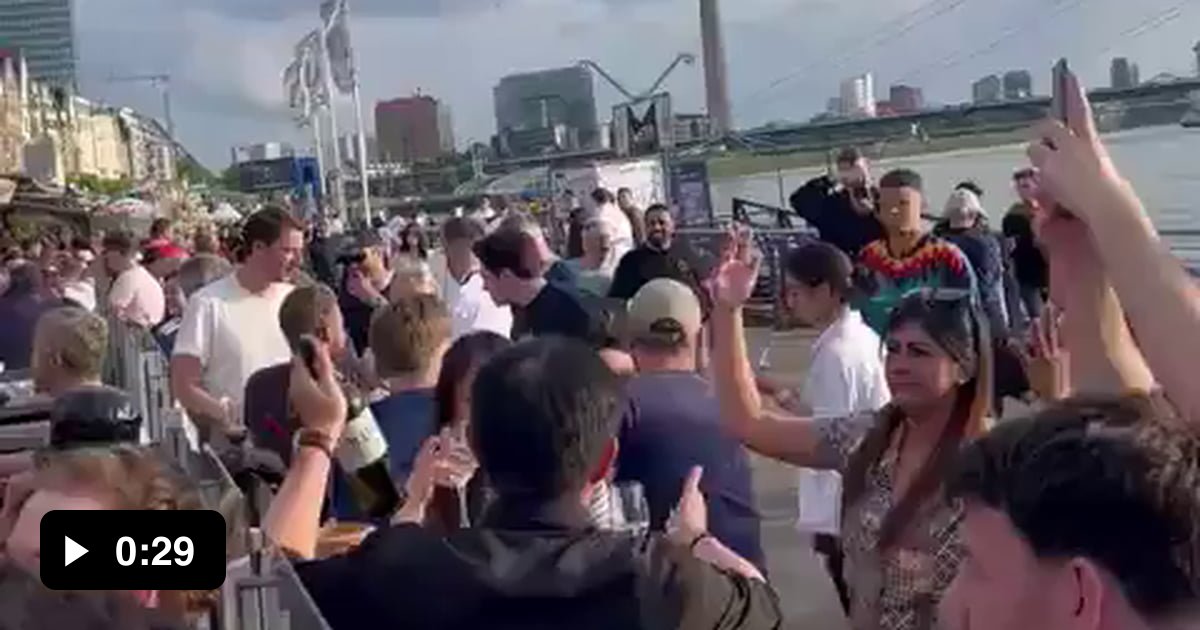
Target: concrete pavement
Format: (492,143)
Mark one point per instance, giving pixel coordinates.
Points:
(805,590)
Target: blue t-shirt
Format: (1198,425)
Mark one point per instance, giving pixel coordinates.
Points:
(406,421)
(673,423)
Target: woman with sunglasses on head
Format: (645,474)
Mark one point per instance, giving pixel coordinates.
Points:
(900,537)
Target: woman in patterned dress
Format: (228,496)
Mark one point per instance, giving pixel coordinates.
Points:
(900,535)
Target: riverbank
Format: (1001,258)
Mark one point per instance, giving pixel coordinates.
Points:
(748,164)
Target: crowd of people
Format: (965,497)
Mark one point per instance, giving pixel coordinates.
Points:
(563,441)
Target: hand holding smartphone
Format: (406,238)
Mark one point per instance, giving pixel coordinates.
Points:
(1059,110)
(1061,87)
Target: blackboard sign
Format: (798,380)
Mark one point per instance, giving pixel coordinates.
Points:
(690,194)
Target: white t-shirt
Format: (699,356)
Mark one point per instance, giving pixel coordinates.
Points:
(846,377)
(622,230)
(234,333)
(136,297)
(472,308)
(81,292)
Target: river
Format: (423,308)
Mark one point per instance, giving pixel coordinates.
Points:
(1162,162)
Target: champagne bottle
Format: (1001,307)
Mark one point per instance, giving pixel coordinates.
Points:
(362,454)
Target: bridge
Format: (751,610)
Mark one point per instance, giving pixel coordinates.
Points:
(1148,104)
(1156,103)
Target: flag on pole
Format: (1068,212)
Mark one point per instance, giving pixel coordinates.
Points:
(336,31)
(308,52)
(294,90)
(303,82)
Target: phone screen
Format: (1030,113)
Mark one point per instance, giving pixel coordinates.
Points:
(1058,103)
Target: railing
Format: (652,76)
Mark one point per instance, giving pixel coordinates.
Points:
(776,230)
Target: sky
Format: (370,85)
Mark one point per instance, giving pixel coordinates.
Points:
(785,57)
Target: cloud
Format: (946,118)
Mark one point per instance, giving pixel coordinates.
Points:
(785,57)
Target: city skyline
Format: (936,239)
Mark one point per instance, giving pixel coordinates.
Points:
(784,57)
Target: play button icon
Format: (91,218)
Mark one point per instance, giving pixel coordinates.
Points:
(73,551)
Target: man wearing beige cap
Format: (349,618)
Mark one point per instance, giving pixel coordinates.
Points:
(673,421)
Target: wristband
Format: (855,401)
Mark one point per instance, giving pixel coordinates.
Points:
(697,540)
(315,439)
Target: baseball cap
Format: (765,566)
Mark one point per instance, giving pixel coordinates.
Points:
(92,416)
(664,311)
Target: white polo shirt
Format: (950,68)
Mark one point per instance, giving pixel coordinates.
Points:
(472,308)
(846,377)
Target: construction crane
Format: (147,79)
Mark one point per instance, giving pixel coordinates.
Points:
(645,95)
(160,81)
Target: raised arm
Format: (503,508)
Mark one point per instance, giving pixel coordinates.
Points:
(294,519)
(1102,357)
(1160,300)
(779,436)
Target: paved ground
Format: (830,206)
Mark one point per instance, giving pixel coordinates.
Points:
(807,595)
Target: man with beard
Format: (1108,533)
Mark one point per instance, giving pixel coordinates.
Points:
(842,208)
(660,257)
(229,330)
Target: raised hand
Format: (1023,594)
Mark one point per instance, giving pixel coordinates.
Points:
(1046,360)
(733,280)
(421,482)
(317,398)
(689,521)
(1074,167)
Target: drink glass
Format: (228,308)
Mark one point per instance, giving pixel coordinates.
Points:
(632,507)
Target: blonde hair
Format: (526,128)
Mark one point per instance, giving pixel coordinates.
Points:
(74,339)
(406,336)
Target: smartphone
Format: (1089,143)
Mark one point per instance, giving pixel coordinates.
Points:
(308,352)
(1058,101)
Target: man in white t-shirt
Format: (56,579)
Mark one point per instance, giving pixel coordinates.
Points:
(135,296)
(471,307)
(845,378)
(230,328)
(608,211)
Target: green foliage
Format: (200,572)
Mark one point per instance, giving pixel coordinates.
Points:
(101,186)
(194,173)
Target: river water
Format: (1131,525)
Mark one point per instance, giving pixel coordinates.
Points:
(1162,162)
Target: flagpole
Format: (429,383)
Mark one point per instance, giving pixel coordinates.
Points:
(315,121)
(356,95)
(362,154)
(339,191)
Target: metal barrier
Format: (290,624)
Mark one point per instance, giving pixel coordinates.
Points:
(136,364)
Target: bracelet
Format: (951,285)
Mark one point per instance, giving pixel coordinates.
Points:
(697,540)
(315,439)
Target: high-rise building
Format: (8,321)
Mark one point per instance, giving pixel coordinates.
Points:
(44,32)
(989,89)
(1197,51)
(548,99)
(412,129)
(906,99)
(1018,85)
(858,96)
(1122,74)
